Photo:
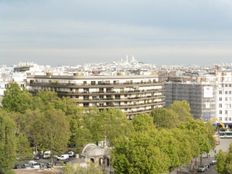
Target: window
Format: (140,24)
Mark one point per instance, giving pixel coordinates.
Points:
(86,104)
(220,105)
(220,99)
(86,97)
(225,92)
(101,90)
(226,112)
(220,118)
(220,92)
(117,96)
(220,111)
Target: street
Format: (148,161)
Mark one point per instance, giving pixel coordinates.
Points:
(224,146)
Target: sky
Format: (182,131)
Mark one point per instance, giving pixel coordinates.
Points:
(71,32)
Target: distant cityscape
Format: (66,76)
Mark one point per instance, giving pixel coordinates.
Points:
(133,87)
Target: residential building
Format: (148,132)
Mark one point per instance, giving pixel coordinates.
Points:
(131,94)
(200,92)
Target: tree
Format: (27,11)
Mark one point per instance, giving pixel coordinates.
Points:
(143,122)
(165,118)
(16,99)
(46,100)
(170,145)
(200,133)
(138,153)
(224,161)
(221,162)
(7,143)
(108,124)
(23,151)
(182,109)
(49,130)
(77,169)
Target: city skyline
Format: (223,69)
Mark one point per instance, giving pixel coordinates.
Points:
(77,32)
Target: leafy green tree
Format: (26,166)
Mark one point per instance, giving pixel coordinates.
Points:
(23,151)
(224,161)
(16,99)
(188,147)
(182,109)
(143,122)
(165,118)
(168,144)
(200,133)
(221,162)
(7,143)
(110,124)
(46,100)
(50,130)
(77,169)
(138,153)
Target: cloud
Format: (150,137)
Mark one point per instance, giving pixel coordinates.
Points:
(104,29)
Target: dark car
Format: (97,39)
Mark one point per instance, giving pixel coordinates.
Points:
(18,166)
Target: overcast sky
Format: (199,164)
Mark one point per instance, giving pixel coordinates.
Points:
(72,32)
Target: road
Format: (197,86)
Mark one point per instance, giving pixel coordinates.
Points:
(224,146)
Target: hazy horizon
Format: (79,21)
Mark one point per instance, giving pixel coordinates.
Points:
(59,32)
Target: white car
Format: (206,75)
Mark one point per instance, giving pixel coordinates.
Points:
(71,154)
(47,154)
(63,157)
(34,164)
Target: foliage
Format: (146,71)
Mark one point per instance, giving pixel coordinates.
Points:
(178,139)
(200,132)
(182,109)
(16,99)
(77,169)
(224,161)
(138,153)
(7,142)
(24,151)
(165,118)
(50,130)
(156,143)
(110,124)
(143,123)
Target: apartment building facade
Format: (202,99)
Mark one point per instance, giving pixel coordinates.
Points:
(224,96)
(130,94)
(199,92)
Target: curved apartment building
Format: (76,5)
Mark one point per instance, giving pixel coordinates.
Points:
(130,94)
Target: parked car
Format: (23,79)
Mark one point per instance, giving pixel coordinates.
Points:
(71,154)
(213,162)
(47,154)
(202,168)
(34,164)
(62,157)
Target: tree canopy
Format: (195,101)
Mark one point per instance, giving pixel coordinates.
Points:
(150,143)
(7,142)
